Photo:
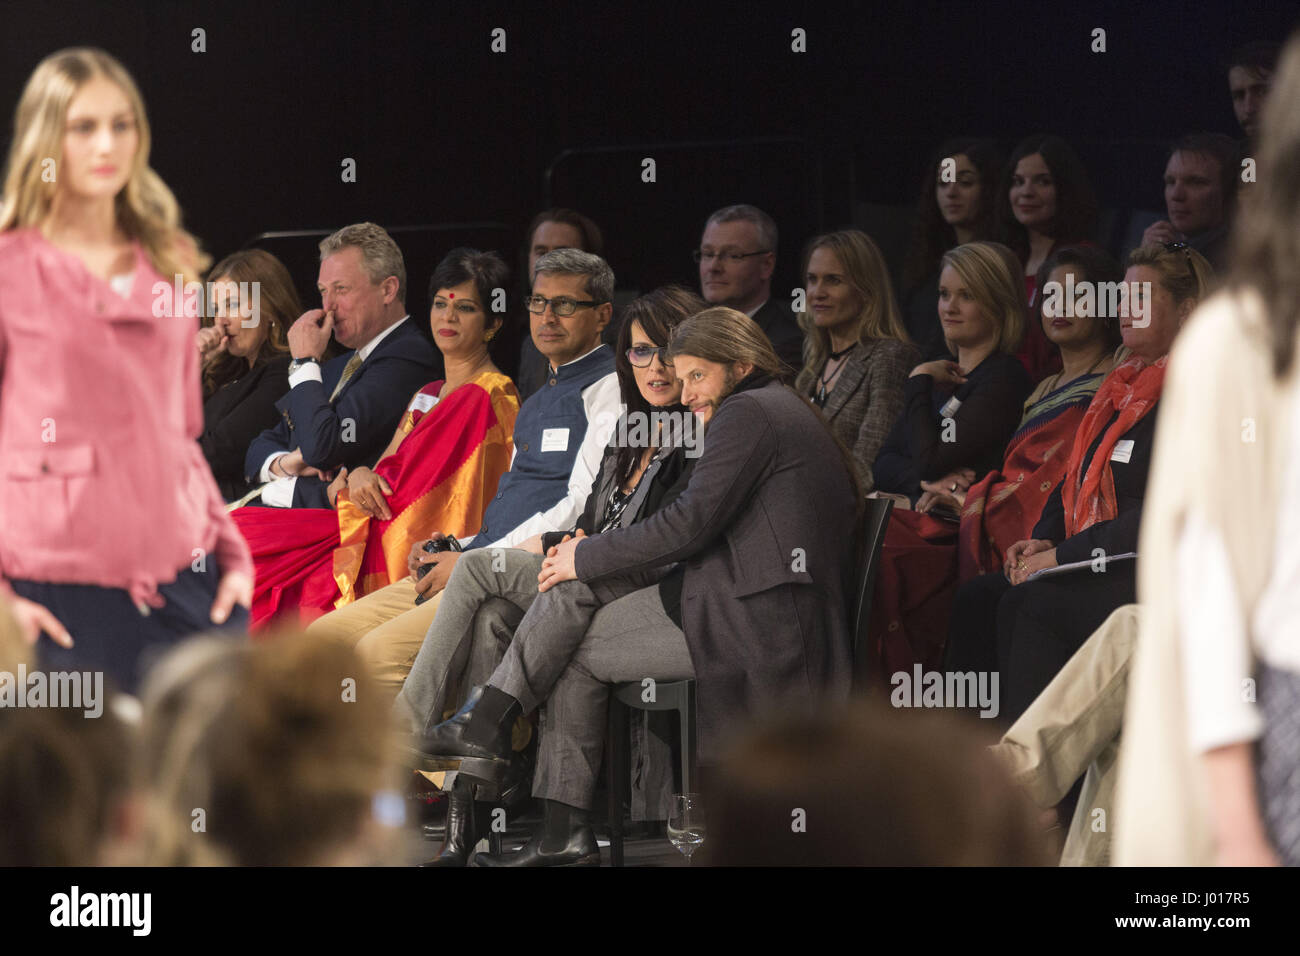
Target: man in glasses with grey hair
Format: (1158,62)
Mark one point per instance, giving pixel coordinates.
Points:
(737,256)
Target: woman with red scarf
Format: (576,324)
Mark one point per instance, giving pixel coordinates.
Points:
(439,471)
(1027,629)
(925,557)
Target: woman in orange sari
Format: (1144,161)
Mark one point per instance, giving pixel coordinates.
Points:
(439,471)
(927,555)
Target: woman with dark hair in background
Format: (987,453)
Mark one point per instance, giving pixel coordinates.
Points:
(245,360)
(550,229)
(1002,508)
(857,354)
(1046,201)
(439,471)
(957,204)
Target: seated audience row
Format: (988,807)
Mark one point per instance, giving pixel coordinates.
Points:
(604,552)
(1025,628)
(963,525)
(439,470)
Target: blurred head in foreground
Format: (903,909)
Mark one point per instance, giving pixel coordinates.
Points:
(268,754)
(868,785)
(63,779)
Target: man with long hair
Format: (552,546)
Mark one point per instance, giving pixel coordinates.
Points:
(737,584)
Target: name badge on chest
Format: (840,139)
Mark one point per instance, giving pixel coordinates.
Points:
(423,401)
(555,439)
(1123,451)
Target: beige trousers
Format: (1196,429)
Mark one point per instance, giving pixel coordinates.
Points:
(1073,726)
(386,628)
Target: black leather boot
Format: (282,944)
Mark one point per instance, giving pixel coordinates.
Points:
(466,825)
(475,740)
(565,839)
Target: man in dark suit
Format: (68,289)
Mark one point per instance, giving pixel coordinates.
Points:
(343,413)
(737,255)
(739,583)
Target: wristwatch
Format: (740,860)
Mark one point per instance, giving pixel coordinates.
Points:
(296,364)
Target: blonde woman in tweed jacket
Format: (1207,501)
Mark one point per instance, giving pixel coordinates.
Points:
(856,354)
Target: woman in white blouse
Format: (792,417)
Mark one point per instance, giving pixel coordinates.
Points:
(1209,766)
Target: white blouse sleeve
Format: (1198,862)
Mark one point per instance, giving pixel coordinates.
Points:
(1218,664)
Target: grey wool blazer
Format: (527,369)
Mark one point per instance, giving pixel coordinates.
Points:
(868,399)
(764,531)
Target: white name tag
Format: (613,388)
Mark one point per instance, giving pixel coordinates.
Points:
(423,402)
(555,439)
(1123,451)
(950,407)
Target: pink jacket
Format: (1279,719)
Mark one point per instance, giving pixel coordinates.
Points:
(102,480)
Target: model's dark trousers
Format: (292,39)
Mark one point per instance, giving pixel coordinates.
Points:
(109,632)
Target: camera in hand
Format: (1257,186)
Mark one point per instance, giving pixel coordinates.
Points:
(435,546)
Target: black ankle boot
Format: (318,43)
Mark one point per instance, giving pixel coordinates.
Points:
(466,825)
(565,839)
(475,740)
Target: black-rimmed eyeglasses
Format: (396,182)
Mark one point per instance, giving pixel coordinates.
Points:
(561,305)
(642,355)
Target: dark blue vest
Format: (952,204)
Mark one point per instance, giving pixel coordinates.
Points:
(537,479)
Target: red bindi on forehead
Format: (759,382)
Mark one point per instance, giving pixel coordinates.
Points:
(451,295)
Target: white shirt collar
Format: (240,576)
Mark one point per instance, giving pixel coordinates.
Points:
(579,359)
(751,313)
(370,346)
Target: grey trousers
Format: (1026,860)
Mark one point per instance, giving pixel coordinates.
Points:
(573,642)
(485,599)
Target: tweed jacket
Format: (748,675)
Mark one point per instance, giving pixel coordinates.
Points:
(868,399)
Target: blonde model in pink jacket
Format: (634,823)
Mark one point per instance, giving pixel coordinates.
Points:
(102,481)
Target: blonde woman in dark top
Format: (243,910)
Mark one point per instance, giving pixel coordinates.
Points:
(960,411)
(857,355)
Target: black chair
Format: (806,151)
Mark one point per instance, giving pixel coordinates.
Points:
(679,695)
(871,538)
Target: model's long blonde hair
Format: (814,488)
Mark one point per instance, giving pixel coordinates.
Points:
(146,208)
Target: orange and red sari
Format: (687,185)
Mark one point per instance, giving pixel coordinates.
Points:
(443,475)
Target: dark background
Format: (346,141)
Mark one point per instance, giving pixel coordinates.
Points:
(251,133)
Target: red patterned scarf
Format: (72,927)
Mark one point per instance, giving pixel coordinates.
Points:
(1132,390)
